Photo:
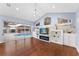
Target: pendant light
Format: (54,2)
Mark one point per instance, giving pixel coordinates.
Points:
(35,11)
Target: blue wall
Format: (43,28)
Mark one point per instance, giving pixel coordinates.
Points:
(54,17)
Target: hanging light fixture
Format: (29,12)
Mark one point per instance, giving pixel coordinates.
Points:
(8,4)
(35,11)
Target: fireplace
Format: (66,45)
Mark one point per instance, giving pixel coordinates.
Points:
(44,38)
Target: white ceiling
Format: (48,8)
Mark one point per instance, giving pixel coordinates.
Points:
(26,10)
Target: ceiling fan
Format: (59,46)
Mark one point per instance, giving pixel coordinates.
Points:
(8,4)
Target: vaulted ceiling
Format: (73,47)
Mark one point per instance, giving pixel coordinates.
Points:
(28,11)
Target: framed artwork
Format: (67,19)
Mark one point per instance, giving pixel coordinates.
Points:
(47,21)
(62,20)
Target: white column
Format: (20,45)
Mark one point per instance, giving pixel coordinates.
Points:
(1,30)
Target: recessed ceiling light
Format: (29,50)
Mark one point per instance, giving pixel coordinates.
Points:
(17,9)
(34,15)
(53,6)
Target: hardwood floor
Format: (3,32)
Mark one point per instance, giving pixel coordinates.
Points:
(34,47)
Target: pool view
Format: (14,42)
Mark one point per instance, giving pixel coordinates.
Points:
(20,34)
